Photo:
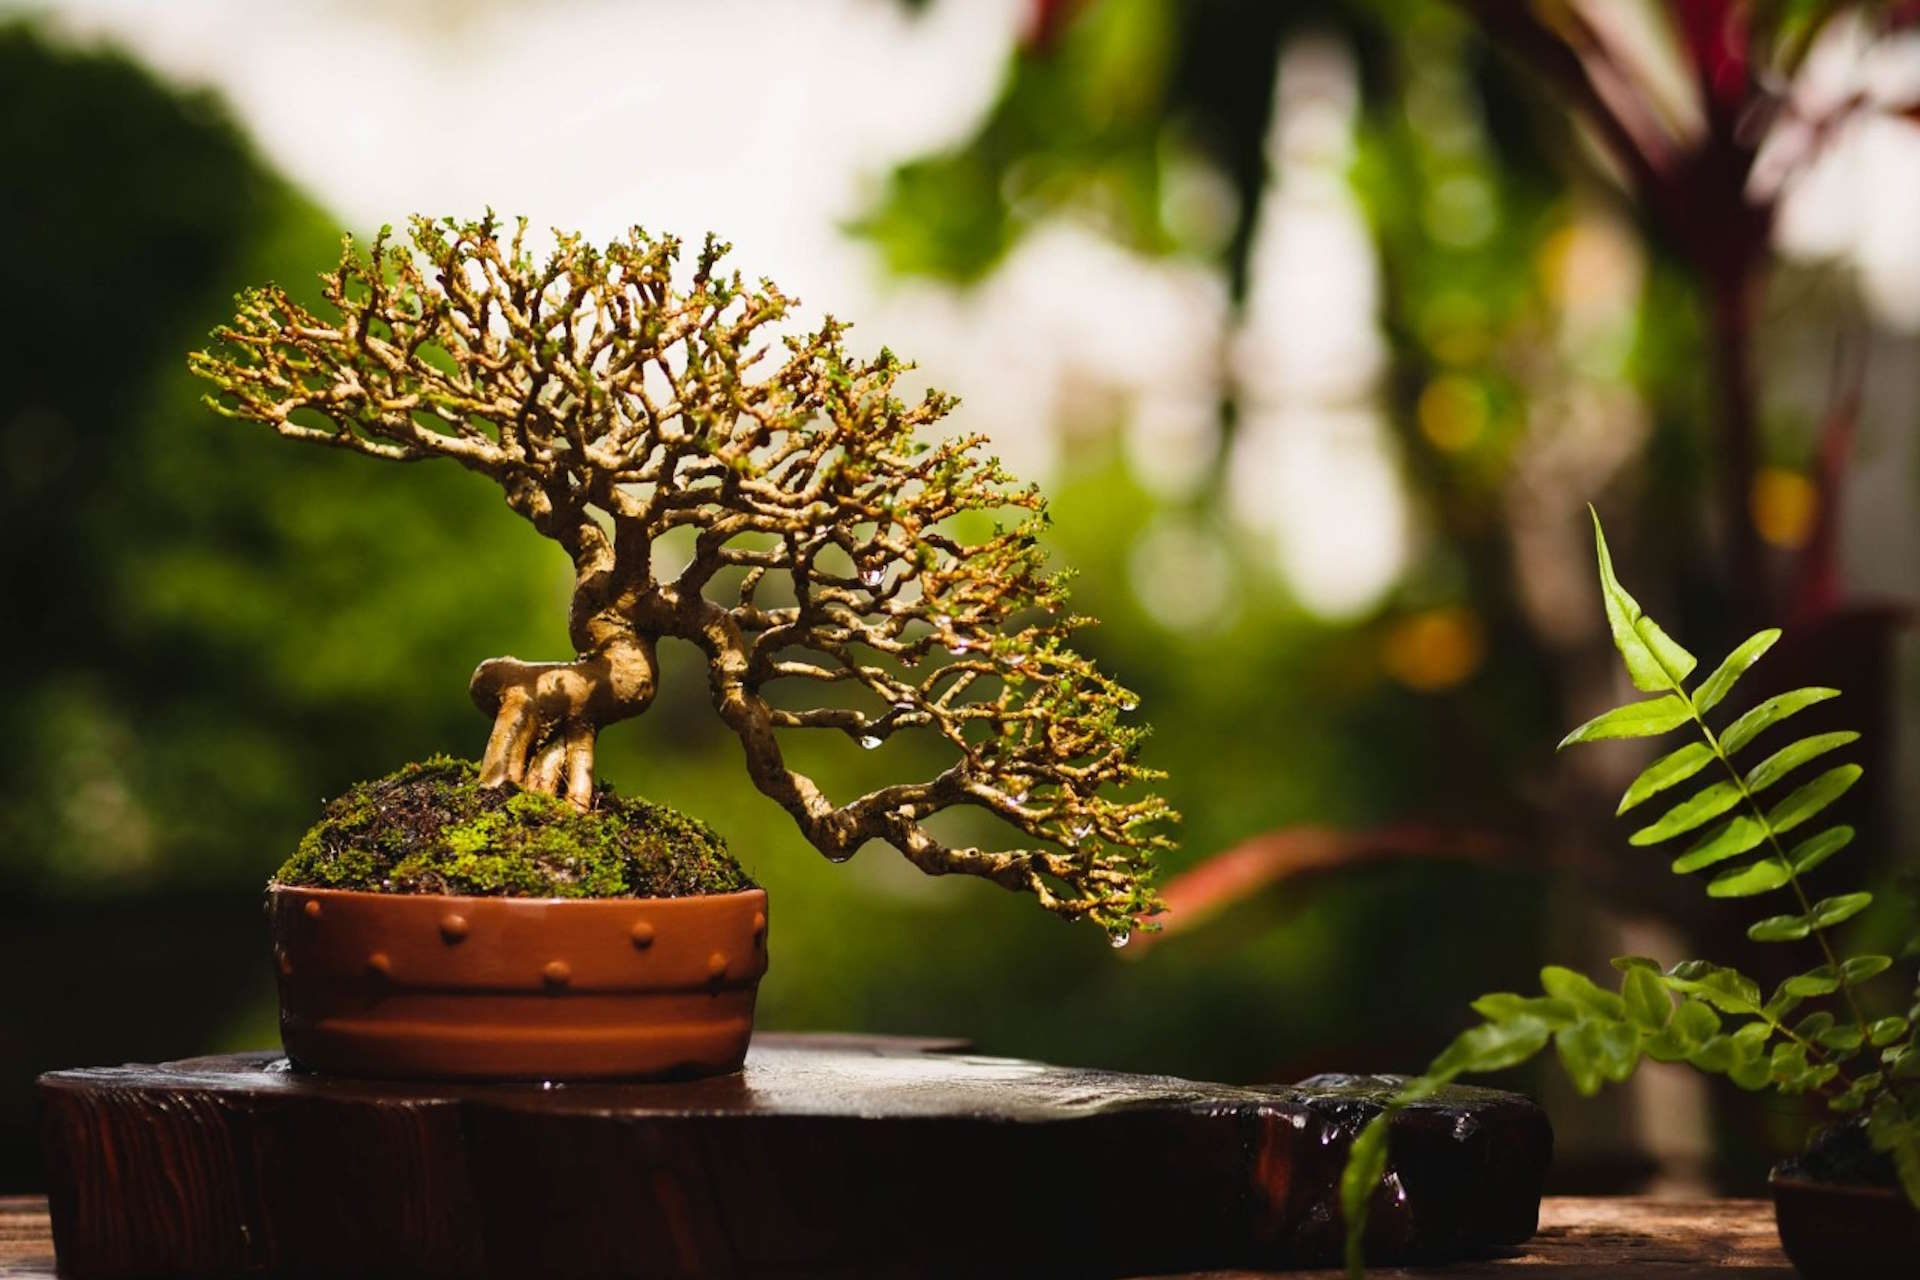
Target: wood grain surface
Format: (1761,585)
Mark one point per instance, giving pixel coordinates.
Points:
(1579,1239)
(825,1156)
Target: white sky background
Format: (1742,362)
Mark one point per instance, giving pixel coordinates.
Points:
(771,123)
(755,119)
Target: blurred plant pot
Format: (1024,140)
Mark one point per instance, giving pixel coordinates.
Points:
(1836,1231)
(432,986)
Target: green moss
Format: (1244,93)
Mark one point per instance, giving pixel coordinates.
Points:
(432,828)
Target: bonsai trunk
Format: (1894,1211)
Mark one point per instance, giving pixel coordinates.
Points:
(546,715)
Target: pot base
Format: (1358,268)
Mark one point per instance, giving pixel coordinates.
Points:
(427,986)
(1832,1231)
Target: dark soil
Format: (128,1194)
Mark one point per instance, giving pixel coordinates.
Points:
(432,828)
(1841,1154)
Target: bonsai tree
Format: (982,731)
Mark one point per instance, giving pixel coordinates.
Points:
(827,546)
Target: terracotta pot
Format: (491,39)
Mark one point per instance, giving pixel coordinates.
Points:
(1832,1231)
(432,986)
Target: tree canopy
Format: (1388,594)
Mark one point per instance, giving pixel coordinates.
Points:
(897,584)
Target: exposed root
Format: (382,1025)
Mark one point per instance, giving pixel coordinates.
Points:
(546,716)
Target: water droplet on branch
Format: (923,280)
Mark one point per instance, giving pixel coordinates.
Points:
(872,576)
(1121,939)
(869,741)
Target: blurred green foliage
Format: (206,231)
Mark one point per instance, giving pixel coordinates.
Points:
(1084,125)
(210,627)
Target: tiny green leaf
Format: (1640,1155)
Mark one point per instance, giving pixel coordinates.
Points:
(1578,989)
(1779,929)
(1814,1024)
(1782,1003)
(1810,798)
(1842,1038)
(1831,911)
(1859,969)
(1716,1055)
(1492,1046)
(1666,1046)
(1644,719)
(1885,1031)
(1735,836)
(1814,850)
(1789,1059)
(1696,1020)
(1814,982)
(1759,877)
(1715,686)
(1626,964)
(1791,757)
(1702,807)
(1579,1050)
(1769,713)
(1751,1074)
(1727,990)
(1618,1052)
(1814,1077)
(1750,1038)
(1653,660)
(1647,1001)
(1669,770)
(1505,1006)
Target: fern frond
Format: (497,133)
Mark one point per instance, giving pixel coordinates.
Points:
(1659,666)
(1707,1015)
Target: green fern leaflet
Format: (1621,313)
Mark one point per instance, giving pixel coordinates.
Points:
(1752,818)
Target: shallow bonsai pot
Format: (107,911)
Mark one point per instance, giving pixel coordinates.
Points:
(1833,1231)
(432,986)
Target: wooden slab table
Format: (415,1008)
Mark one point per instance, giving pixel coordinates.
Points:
(824,1156)
(1580,1239)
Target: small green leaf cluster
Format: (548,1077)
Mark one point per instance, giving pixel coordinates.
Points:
(1811,1034)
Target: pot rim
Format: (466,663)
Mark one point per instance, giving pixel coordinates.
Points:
(736,895)
(1793,1182)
